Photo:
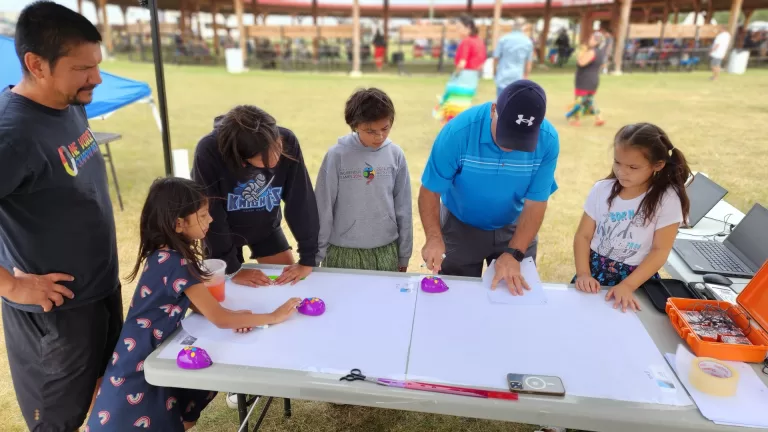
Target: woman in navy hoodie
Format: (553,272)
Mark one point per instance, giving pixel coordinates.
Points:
(249,165)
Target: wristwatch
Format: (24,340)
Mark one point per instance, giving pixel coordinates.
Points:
(517,254)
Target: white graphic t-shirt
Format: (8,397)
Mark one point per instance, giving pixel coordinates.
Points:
(621,233)
(722,40)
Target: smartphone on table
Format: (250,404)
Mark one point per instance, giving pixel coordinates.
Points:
(536,384)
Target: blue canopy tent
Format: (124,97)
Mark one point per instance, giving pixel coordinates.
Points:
(114,92)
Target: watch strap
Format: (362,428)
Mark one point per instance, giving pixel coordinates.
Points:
(517,254)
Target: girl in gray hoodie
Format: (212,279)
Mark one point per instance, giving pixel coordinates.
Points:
(363,192)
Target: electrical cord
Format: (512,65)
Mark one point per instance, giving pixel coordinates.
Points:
(725,222)
(727,229)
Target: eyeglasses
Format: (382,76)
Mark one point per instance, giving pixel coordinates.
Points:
(377,134)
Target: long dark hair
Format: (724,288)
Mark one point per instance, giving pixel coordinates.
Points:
(468,22)
(247,131)
(656,146)
(168,200)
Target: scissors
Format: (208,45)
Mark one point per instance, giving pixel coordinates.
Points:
(357,375)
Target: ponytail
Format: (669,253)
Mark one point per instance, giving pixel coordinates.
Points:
(657,147)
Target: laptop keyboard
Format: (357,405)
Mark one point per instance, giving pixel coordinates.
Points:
(717,256)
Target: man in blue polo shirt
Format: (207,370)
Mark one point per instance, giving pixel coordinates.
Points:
(493,167)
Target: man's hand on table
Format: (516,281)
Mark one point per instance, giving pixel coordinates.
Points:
(252,278)
(433,253)
(293,274)
(508,269)
(44,291)
(623,296)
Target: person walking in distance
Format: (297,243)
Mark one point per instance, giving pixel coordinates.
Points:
(513,57)
(718,52)
(589,61)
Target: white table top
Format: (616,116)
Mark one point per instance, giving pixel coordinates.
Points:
(706,229)
(570,411)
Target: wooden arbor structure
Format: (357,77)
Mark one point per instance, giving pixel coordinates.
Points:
(614,14)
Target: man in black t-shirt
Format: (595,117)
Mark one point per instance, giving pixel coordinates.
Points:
(62,308)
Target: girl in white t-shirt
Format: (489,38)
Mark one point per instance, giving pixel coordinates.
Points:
(631,218)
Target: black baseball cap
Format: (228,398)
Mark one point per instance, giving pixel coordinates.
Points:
(520,108)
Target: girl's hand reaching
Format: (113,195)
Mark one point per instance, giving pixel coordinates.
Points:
(588,284)
(244,329)
(286,310)
(623,296)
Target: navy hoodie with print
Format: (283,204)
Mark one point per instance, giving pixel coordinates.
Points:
(246,206)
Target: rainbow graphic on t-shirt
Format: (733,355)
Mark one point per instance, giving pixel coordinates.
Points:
(76,154)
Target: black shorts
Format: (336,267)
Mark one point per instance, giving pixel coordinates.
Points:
(56,357)
(272,244)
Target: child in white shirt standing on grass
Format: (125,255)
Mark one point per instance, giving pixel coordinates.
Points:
(631,218)
(363,192)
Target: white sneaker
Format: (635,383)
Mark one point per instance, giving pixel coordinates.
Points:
(232,400)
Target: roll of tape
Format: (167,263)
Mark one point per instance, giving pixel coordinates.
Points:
(713,377)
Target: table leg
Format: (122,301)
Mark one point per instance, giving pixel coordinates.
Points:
(114,176)
(263,414)
(242,411)
(287,407)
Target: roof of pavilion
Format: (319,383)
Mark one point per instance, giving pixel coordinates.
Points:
(421,10)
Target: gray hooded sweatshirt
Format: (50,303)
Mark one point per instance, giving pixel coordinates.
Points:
(364,198)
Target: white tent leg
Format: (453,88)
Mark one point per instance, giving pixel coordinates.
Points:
(181,163)
(156,114)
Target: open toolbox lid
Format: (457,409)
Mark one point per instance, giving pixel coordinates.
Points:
(754,298)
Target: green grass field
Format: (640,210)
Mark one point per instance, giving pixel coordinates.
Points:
(719,126)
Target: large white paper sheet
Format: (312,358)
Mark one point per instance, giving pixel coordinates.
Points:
(367,325)
(461,338)
(747,408)
(501,294)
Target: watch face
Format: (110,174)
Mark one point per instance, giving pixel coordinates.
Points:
(516,254)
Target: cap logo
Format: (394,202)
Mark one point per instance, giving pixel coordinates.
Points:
(521,120)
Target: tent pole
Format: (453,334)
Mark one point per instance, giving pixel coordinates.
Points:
(160,78)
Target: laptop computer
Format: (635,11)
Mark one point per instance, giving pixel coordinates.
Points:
(704,195)
(740,255)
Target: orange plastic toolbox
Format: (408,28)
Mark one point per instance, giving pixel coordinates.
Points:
(751,316)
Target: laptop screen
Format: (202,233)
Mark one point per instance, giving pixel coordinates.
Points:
(749,240)
(704,194)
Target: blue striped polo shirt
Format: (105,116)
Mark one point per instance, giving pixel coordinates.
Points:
(479,183)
